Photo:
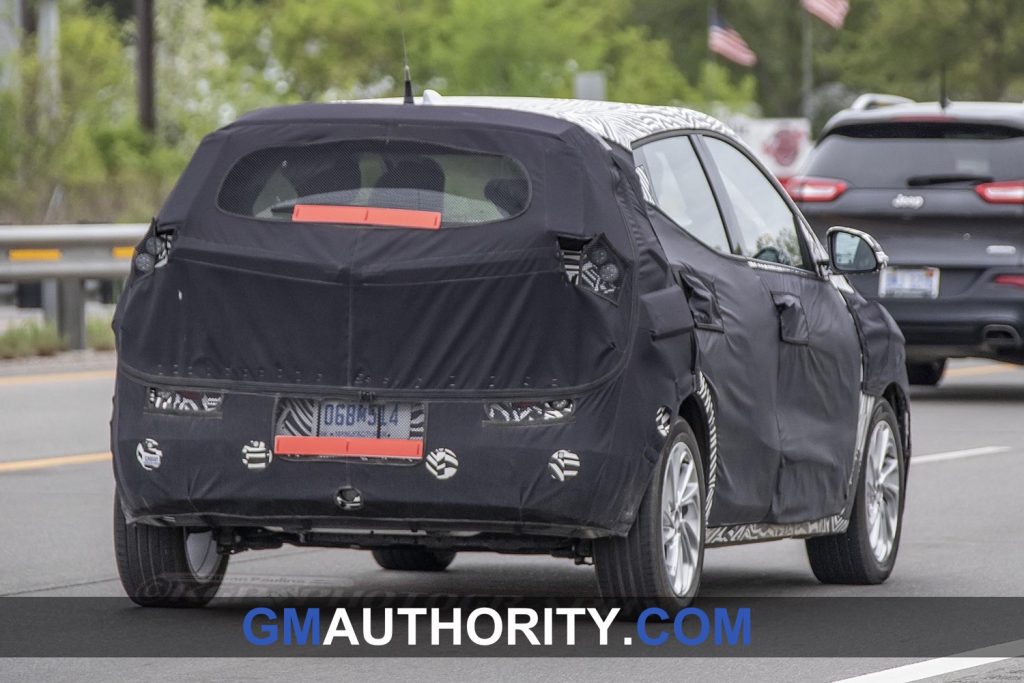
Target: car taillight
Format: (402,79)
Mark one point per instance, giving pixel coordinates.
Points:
(184,402)
(805,189)
(1002,192)
(593,265)
(555,410)
(153,253)
(1011,280)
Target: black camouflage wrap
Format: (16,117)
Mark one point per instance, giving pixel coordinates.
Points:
(455,319)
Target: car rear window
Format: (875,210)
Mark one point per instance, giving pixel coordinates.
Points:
(910,154)
(332,181)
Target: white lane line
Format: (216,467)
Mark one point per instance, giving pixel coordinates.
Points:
(957,455)
(943,665)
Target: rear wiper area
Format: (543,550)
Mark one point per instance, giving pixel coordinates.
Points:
(943,178)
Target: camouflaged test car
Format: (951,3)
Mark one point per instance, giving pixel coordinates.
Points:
(593,330)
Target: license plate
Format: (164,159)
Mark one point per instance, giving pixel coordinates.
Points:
(347,429)
(909,283)
(370,421)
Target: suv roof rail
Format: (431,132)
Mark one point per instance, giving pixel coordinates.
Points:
(872,100)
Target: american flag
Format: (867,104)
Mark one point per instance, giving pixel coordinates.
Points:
(832,12)
(726,41)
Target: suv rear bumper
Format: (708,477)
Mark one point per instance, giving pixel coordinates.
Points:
(986,321)
(503,481)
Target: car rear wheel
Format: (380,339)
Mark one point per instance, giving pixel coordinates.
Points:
(926,374)
(167,566)
(866,553)
(413,559)
(661,558)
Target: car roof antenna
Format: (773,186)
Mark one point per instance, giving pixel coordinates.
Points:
(943,97)
(408,99)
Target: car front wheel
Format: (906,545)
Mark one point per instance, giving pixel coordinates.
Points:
(167,566)
(661,558)
(866,553)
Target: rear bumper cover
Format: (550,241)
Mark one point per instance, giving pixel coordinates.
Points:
(987,320)
(503,480)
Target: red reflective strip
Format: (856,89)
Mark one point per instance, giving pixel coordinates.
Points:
(366,215)
(344,447)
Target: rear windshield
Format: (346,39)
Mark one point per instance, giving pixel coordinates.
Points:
(456,186)
(920,154)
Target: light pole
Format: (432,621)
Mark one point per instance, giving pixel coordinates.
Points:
(48,32)
(808,63)
(144,64)
(10,43)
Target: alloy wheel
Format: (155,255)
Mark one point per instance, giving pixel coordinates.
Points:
(681,519)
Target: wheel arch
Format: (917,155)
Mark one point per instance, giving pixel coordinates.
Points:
(900,402)
(692,411)
(698,409)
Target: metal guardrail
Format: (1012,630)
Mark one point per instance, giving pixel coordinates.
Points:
(61,257)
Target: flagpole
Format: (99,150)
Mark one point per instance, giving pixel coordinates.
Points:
(712,12)
(808,61)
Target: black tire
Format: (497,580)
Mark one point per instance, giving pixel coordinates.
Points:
(926,374)
(154,565)
(631,570)
(413,559)
(848,558)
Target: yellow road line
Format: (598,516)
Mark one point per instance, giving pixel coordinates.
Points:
(19,380)
(989,369)
(58,461)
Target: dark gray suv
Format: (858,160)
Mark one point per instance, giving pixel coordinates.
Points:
(598,331)
(942,189)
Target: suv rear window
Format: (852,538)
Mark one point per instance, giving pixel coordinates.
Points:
(912,154)
(460,186)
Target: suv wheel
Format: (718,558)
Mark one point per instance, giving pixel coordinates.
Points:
(662,556)
(926,374)
(866,553)
(413,559)
(167,566)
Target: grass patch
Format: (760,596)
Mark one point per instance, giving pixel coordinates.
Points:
(30,339)
(99,335)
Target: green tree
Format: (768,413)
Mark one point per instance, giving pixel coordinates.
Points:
(216,59)
(90,162)
(768,27)
(351,49)
(901,48)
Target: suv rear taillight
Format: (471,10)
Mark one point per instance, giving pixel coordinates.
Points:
(1003,192)
(592,265)
(805,189)
(1009,279)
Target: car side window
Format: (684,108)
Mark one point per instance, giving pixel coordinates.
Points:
(766,228)
(681,190)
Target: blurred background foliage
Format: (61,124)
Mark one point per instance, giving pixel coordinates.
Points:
(215,59)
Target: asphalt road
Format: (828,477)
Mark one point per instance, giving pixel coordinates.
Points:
(961,537)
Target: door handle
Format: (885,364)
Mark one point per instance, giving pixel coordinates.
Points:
(793,327)
(703,300)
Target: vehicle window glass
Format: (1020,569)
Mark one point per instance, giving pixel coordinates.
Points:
(915,154)
(681,189)
(766,227)
(464,187)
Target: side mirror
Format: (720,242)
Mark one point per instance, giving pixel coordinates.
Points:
(852,251)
